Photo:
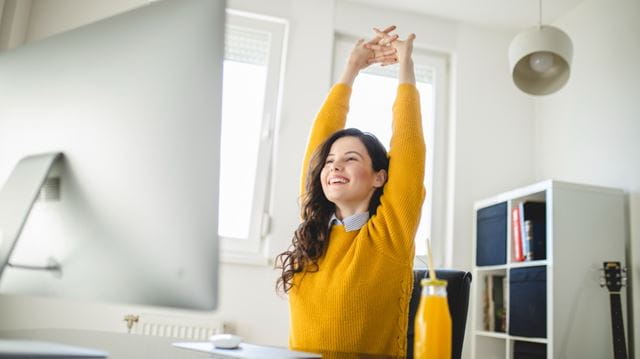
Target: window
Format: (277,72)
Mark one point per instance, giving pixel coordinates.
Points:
(371,110)
(252,67)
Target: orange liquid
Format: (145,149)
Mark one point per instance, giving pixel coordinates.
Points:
(432,329)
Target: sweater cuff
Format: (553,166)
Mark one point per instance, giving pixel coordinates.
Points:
(406,89)
(340,89)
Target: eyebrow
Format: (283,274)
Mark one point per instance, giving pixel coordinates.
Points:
(347,153)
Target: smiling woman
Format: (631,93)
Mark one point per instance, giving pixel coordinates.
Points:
(348,272)
(353,173)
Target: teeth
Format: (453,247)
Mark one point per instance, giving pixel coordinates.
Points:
(338,180)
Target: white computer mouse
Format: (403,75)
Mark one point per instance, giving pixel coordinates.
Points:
(225,341)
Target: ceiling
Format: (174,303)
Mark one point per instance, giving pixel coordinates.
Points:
(512,14)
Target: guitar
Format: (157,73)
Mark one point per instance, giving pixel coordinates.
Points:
(614,281)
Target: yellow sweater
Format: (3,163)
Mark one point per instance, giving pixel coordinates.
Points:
(358,300)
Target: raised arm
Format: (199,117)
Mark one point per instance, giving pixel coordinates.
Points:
(401,203)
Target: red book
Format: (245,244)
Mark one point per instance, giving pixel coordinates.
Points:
(517,233)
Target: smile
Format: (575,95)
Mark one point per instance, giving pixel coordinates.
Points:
(337,180)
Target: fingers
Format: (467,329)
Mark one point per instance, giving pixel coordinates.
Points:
(387,30)
(385,51)
(383,37)
(384,59)
(376,47)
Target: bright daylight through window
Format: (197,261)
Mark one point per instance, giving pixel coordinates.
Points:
(370,110)
(253,52)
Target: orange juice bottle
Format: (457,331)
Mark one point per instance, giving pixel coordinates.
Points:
(432,330)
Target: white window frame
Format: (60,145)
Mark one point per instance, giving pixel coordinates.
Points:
(439,137)
(250,250)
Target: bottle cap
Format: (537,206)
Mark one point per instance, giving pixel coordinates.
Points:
(436,282)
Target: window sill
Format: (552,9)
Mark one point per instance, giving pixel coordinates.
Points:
(245,258)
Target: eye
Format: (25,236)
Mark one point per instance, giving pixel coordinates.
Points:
(352,159)
(328,161)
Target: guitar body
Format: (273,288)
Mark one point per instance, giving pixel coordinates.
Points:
(613,281)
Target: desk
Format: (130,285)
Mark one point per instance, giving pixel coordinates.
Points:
(251,351)
(37,349)
(245,351)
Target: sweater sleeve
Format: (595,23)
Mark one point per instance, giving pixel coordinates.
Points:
(331,118)
(396,221)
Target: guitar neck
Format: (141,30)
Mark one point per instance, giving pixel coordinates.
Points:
(617,327)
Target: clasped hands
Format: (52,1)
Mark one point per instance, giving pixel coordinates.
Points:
(384,48)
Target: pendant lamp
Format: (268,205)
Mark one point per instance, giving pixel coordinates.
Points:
(540,59)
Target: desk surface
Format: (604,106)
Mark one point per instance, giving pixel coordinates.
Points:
(252,351)
(38,349)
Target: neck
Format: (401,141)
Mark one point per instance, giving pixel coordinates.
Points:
(344,210)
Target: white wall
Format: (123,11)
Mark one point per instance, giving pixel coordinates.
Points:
(590,131)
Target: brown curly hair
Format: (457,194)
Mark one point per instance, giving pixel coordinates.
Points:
(311,238)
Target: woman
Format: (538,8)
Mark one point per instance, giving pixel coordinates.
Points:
(349,271)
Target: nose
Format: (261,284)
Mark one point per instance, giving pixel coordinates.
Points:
(335,166)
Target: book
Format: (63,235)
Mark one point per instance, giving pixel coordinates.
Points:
(528,238)
(488,307)
(495,303)
(534,235)
(523,234)
(516,231)
(499,311)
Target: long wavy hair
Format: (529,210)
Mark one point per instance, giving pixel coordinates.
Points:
(311,238)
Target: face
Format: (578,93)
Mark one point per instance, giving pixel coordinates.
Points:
(348,180)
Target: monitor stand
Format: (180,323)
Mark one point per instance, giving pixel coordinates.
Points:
(16,200)
(17,197)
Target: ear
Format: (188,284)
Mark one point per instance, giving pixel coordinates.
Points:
(381,179)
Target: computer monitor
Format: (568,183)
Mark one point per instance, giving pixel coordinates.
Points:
(133,102)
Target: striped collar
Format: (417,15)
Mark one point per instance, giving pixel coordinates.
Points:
(351,223)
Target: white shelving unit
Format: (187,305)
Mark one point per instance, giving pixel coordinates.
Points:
(585,226)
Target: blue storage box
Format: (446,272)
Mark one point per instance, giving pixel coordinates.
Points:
(528,350)
(491,227)
(528,302)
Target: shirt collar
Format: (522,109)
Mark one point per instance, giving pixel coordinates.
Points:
(351,223)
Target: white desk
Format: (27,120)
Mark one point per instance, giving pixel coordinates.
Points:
(37,349)
(246,351)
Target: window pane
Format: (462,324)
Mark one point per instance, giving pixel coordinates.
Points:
(242,105)
(371,111)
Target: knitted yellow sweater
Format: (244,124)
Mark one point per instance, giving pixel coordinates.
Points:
(358,300)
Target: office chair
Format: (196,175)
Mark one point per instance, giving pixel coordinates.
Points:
(458,283)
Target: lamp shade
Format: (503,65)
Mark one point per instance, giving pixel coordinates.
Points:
(540,60)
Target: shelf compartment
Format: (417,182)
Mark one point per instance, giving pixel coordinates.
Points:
(491,347)
(489,284)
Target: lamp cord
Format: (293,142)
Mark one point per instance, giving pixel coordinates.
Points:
(539,14)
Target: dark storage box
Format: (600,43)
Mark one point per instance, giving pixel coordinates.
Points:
(528,302)
(491,226)
(527,350)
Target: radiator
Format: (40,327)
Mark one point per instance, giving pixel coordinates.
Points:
(179,327)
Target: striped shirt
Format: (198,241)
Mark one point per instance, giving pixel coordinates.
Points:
(351,223)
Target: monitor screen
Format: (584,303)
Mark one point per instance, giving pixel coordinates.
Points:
(133,103)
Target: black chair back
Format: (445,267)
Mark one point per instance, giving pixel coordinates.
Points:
(458,283)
